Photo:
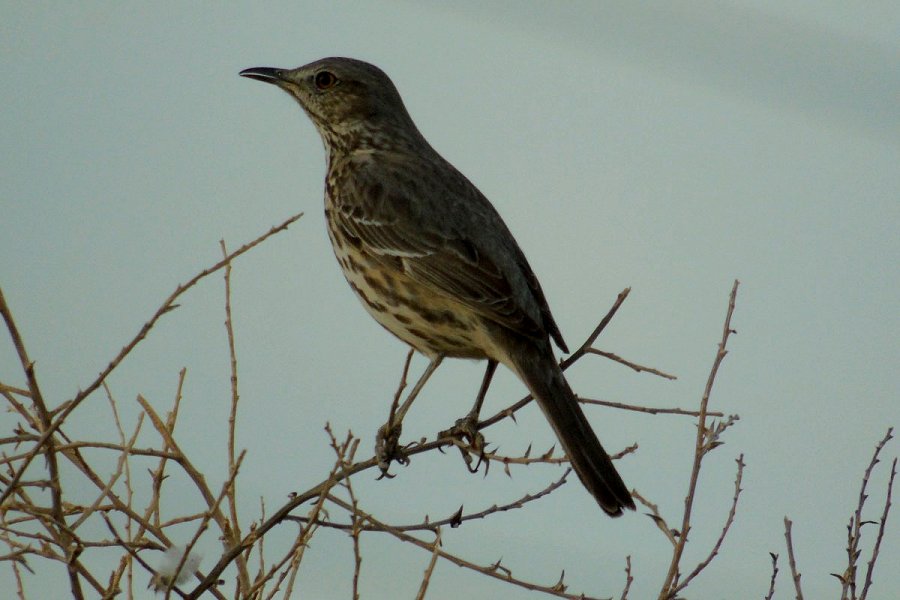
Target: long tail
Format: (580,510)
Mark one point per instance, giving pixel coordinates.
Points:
(541,374)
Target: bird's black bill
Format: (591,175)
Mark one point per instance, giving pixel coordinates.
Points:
(267,74)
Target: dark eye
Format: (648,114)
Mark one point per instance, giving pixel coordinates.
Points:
(325,80)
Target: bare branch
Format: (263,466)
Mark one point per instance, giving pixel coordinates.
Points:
(167,305)
(669,588)
(795,574)
(657,518)
(60,530)
(870,568)
(496,570)
(731,513)
(454,520)
(231,490)
(854,530)
(629,578)
(426,578)
(631,365)
(771,593)
(229,537)
(648,409)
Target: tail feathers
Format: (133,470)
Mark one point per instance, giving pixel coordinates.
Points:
(590,461)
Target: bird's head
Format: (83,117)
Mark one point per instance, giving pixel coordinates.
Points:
(344,97)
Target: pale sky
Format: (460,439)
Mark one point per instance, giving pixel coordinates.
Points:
(667,148)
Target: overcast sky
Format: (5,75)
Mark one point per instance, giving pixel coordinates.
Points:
(667,147)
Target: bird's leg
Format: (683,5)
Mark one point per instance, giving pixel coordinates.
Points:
(472,418)
(467,427)
(387,441)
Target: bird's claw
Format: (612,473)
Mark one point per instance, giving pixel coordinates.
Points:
(466,431)
(388,448)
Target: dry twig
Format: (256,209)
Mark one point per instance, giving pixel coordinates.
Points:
(792,563)
(167,305)
(771,592)
(706,441)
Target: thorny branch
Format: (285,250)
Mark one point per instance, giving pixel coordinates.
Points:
(32,531)
(454,520)
(854,529)
(495,570)
(706,440)
(792,563)
(771,593)
(167,305)
(849,578)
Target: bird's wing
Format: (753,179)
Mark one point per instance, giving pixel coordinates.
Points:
(444,242)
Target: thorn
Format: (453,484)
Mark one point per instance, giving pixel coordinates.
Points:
(456,519)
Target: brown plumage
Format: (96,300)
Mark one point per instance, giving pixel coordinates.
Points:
(429,256)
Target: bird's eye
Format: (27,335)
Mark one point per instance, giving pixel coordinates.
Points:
(325,80)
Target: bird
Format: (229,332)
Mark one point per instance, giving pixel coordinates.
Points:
(429,256)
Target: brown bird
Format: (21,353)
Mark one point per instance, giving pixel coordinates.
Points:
(429,256)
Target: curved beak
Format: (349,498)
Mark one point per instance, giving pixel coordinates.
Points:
(266,74)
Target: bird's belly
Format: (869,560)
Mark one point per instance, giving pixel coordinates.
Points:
(413,312)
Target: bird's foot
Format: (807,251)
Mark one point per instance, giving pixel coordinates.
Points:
(465,430)
(388,448)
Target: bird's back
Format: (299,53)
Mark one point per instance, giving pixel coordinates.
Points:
(416,208)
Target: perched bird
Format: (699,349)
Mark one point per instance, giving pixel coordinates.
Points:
(430,258)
